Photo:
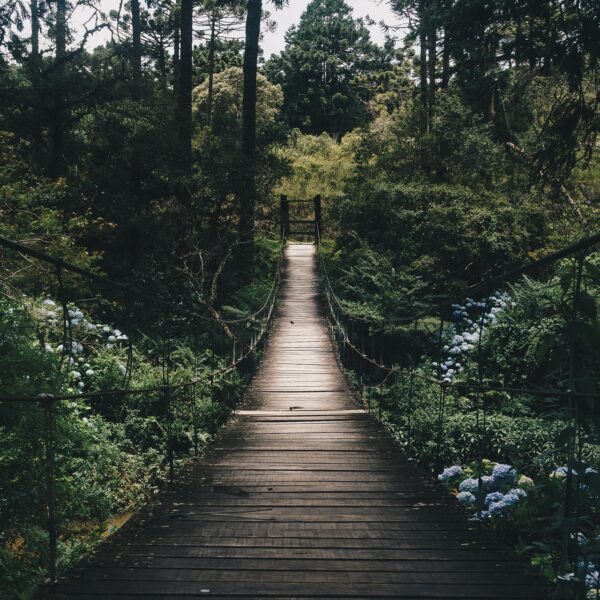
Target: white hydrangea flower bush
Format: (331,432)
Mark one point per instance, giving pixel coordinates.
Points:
(91,347)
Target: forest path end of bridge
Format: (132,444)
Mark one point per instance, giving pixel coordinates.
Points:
(303,495)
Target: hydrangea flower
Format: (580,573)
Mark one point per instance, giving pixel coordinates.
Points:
(466,498)
(450,473)
(591,471)
(48,302)
(497,508)
(511,499)
(504,474)
(493,497)
(75,374)
(488,482)
(585,565)
(518,492)
(592,580)
(469,485)
(525,482)
(89,372)
(561,473)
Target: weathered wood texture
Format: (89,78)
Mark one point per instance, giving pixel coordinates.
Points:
(302,496)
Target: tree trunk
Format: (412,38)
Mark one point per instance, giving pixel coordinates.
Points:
(445,63)
(492,65)
(185,86)
(57,129)
(211,66)
(176,46)
(162,63)
(136,53)
(249,131)
(423,67)
(35,30)
(34,68)
(432,43)
(134,236)
(61,30)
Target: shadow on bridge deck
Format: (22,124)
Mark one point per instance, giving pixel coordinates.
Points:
(303,495)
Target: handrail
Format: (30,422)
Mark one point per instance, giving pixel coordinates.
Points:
(272,291)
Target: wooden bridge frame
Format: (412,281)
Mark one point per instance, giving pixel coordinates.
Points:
(286,222)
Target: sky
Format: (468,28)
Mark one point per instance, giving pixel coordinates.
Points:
(272,43)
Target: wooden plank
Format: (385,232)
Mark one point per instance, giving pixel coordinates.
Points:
(303,495)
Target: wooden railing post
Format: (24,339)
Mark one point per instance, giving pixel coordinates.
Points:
(317,215)
(285,216)
(48,405)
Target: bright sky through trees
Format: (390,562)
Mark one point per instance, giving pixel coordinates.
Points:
(378,10)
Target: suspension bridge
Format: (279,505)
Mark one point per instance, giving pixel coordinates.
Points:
(302,495)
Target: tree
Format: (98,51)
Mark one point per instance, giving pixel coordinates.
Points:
(248,195)
(320,70)
(185,84)
(220,24)
(220,140)
(136,49)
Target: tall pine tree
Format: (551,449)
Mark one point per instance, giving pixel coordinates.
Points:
(322,69)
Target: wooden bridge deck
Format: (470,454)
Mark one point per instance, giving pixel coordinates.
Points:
(302,496)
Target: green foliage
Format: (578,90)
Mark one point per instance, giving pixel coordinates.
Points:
(451,236)
(318,165)
(218,143)
(321,68)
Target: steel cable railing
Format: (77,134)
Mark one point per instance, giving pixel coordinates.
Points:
(169,391)
(353,334)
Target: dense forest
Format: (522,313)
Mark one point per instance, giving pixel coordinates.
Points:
(463,146)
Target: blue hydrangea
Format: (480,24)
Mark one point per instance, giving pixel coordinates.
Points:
(466,498)
(469,485)
(592,580)
(585,565)
(488,482)
(511,499)
(497,508)
(518,492)
(504,474)
(493,497)
(580,538)
(450,473)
